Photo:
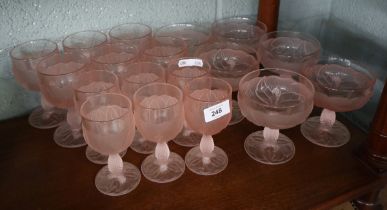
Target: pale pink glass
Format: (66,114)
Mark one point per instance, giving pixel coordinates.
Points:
(342,85)
(276,99)
(132,78)
(25,57)
(158,110)
(90,83)
(56,74)
(200,94)
(288,50)
(136,34)
(108,126)
(83,42)
(179,73)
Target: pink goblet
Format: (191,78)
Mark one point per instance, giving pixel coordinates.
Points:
(158,110)
(136,34)
(132,78)
(56,74)
(108,126)
(25,57)
(209,103)
(276,99)
(341,85)
(180,72)
(83,42)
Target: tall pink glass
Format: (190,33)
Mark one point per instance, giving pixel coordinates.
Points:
(108,126)
(84,41)
(56,74)
(136,34)
(25,57)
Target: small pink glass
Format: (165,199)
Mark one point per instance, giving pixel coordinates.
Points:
(209,103)
(108,126)
(25,57)
(342,85)
(132,78)
(276,99)
(158,110)
(56,74)
(179,73)
(136,34)
(84,41)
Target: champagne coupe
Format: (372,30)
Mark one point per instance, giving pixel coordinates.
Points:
(163,49)
(288,50)
(90,83)
(108,126)
(193,34)
(230,62)
(136,34)
(158,110)
(56,74)
(25,57)
(276,99)
(180,72)
(132,78)
(342,85)
(209,103)
(84,41)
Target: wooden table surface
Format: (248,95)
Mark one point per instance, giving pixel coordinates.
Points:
(38,174)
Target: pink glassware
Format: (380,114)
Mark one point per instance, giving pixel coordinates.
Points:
(136,34)
(179,73)
(158,110)
(209,103)
(90,83)
(163,49)
(132,78)
(276,99)
(56,74)
(108,126)
(25,57)
(288,50)
(84,41)
(341,85)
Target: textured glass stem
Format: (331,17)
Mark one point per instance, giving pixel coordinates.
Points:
(115,166)
(271,135)
(46,106)
(327,118)
(74,120)
(206,147)
(162,155)
(186,130)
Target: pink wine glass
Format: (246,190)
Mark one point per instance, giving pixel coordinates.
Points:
(288,50)
(108,126)
(209,103)
(90,83)
(158,110)
(276,99)
(136,34)
(341,85)
(84,41)
(180,72)
(25,57)
(132,78)
(230,63)
(56,74)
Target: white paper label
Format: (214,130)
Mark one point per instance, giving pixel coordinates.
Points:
(190,62)
(216,111)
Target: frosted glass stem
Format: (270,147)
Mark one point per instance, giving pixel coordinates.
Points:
(206,147)
(271,135)
(74,120)
(162,155)
(328,118)
(46,106)
(115,166)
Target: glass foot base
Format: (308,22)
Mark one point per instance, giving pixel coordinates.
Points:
(156,172)
(212,165)
(65,137)
(236,116)
(98,158)
(191,140)
(42,119)
(336,136)
(140,145)
(269,153)
(115,185)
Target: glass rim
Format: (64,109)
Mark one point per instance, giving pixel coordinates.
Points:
(84,66)
(229,91)
(156,65)
(85,31)
(183,47)
(33,57)
(136,53)
(99,71)
(148,29)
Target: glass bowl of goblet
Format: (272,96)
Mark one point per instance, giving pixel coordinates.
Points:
(108,126)
(25,57)
(132,33)
(209,103)
(275,99)
(158,110)
(134,76)
(288,50)
(56,74)
(342,85)
(179,73)
(83,41)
